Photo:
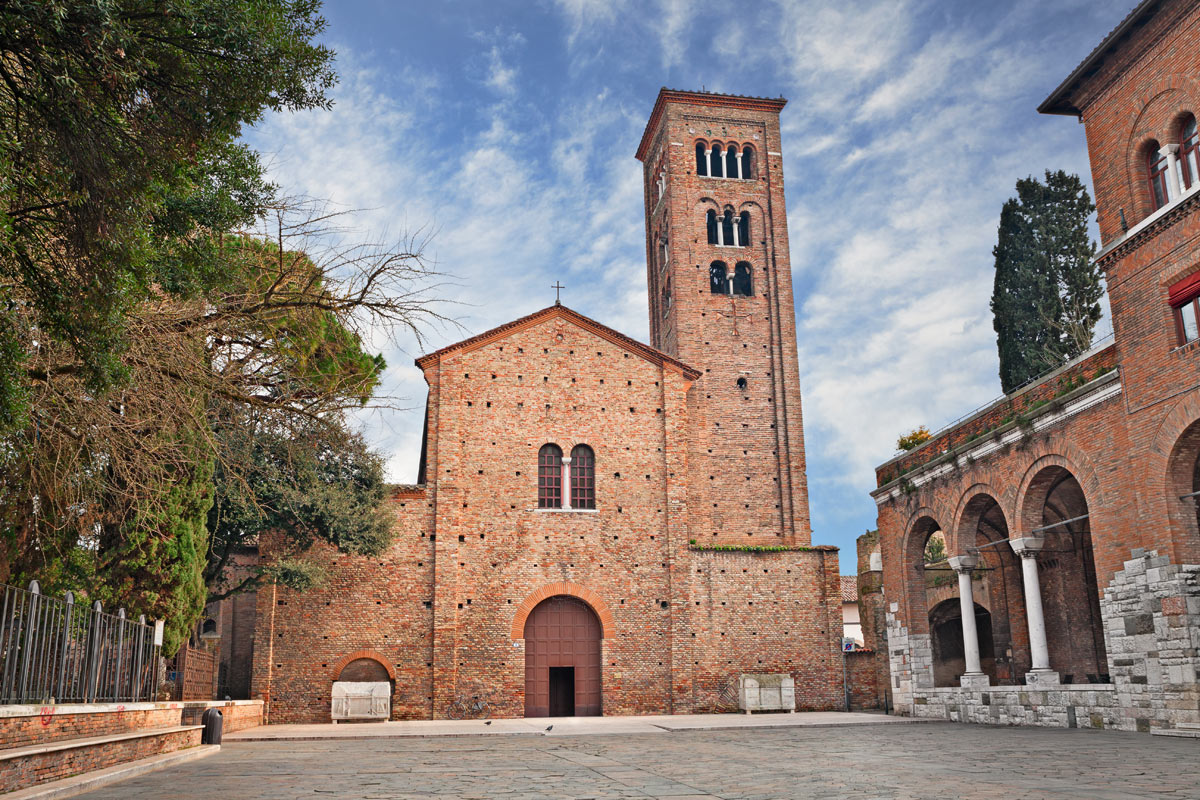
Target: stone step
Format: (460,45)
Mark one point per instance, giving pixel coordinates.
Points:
(77,784)
(1177,733)
(32,765)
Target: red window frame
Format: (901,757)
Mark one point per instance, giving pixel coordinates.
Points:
(1156,168)
(583,477)
(1183,294)
(1189,152)
(550,476)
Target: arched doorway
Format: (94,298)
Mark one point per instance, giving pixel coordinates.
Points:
(998,579)
(562,659)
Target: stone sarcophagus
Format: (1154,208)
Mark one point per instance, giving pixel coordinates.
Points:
(362,700)
(766,692)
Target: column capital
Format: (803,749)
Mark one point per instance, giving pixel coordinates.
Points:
(566,459)
(964,563)
(1168,150)
(1027,546)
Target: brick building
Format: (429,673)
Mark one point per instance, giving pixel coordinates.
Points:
(602,526)
(1072,592)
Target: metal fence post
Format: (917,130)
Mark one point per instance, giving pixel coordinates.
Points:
(30,634)
(120,653)
(93,654)
(65,650)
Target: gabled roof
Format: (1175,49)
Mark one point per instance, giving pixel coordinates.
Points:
(1059,101)
(665,95)
(557,311)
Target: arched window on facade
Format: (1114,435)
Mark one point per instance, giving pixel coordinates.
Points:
(744,228)
(550,476)
(727,228)
(718,278)
(710,221)
(731,161)
(1189,152)
(717,162)
(666,296)
(583,477)
(701,159)
(1156,168)
(747,162)
(742,282)
(664,254)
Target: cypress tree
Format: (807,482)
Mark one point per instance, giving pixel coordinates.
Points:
(1046,297)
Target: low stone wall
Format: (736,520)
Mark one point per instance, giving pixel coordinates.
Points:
(1069,706)
(28,771)
(28,725)
(1151,614)
(236,715)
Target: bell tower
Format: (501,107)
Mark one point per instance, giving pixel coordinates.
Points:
(720,286)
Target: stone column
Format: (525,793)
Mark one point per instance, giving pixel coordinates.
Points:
(1174,176)
(708,158)
(566,483)
(974,676)
(739,163)
(1028,548)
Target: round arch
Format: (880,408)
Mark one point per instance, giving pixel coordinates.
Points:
(345,660)
(1026,514)
(608,627)
(1170,461)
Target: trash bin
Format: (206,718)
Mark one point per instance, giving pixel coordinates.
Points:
(213,722)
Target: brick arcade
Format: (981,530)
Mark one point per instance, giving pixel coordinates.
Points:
(631,518)
(1069,508)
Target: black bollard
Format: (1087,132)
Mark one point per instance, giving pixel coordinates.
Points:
(213,723)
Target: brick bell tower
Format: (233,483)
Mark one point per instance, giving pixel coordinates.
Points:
(720,286)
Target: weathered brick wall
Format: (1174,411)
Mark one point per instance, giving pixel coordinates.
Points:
(235,716)
(863,678)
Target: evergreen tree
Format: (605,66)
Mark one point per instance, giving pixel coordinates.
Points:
(1046,297)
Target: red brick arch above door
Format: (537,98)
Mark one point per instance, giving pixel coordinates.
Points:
(607,625)
(356,655)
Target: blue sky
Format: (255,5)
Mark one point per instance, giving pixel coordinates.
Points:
(507,129)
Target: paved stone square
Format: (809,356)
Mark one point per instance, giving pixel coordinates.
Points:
(929,760)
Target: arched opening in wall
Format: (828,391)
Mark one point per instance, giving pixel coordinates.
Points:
(1183,490)
(731,161)
(718,278)
(364,670)
(717,162)
(743,283)
(744,228)
(747,162)
(1067,576)
(997,584)
(727,234)
(712,226)
(562,659)
(916,605)
(701,159)
(946,638)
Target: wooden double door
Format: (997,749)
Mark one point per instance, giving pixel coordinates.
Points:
(562,659)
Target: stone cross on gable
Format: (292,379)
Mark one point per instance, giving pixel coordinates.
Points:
(557,287)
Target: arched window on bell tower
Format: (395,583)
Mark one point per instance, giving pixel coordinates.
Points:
(710,221)
(701,158)
(727,228)
(718,278)
(747,162)
(731,161)
(717,162)
(744,229)
(742,282)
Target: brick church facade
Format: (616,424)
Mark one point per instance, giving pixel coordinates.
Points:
(600,525)
(1069,508)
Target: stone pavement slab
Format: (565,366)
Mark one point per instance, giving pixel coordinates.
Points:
(561,726)
(898,762)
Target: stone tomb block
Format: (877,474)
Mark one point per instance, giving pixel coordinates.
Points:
(361,700)
(766,692)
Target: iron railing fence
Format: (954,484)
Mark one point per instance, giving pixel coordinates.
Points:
(61,651)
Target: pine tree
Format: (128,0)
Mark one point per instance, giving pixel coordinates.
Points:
(1046,298)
